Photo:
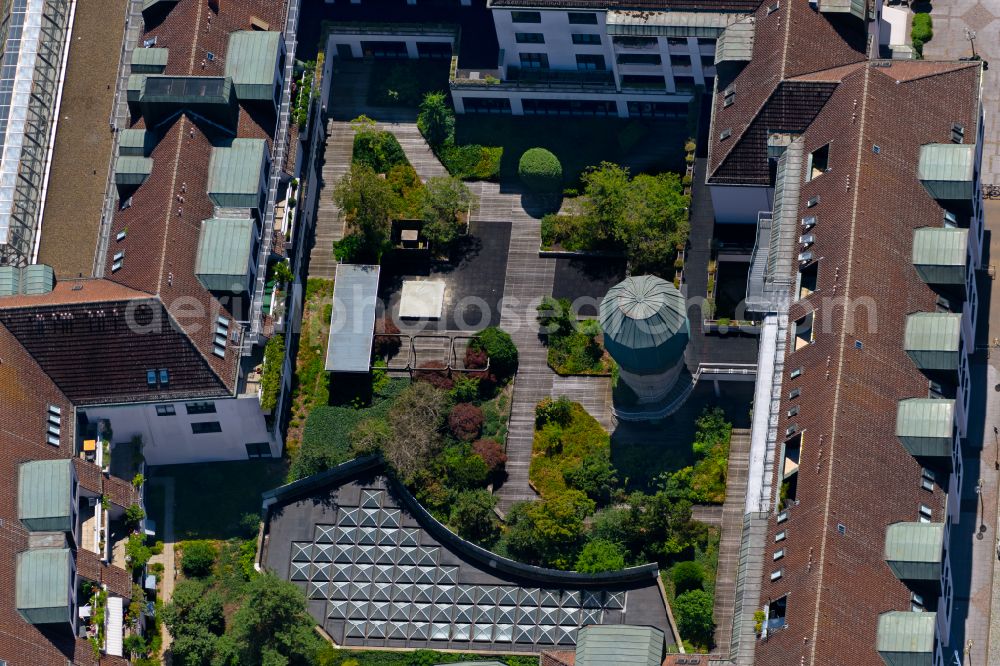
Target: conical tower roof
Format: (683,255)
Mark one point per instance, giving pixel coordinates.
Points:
(645,324)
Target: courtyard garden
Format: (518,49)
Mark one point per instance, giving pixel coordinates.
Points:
(574,347)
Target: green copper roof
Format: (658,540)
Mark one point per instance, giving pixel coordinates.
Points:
(940,254)
(735,44)
(10,280)
(45,495)
(947,170)
(252,62)
(223,259)
(933,331)
(149,61)
(645,324)
(134,87)
(925,417)
(235,172)
(622,645)
(135,142)
(855,7)
(43,585)
(906,638)
(914,542)
(130,170)
(31,279)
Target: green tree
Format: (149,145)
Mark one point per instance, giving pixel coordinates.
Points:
(540,170)
(599,555)
(500,348)
(436,120)
(444,198)
(606,187)
(272,625)
(687,576)
(548,532)
(283,272)
(369,205)
(370,436)
(197,558)
(694,616)
(195,619)
(556,317)
(473,516)
(594,475)
(654,221)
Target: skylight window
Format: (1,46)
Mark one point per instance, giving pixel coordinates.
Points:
(819,162)
(151,378)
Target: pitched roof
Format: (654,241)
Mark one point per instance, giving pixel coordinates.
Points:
(45,494)
(621,644)
(43,585)
(638,5)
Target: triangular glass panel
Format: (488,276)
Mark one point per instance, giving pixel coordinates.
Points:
(441,613)
(524,633)
(340,590)
(301,570)
(440,631)
(386,554)
(465,594)
(614,600)
(368,518)
(548,615)
(337,610)
(325,533)
(590,616)
(363,572)
(571,599)
(321,572)
(424,593)
(359,591)
(526,615)
(463,613)
(397,630)
(401,593)
(384,574)
(341,553)
(482,632)
(409,537)
(461,632)
(427,557)
(549,598)
(342,572)
(506,614)
(371,497)
(448,575)
(488,593)
(318,590)
(418,630)
(529,596)
(399,611)
(444,594)
(301,551)
(348,516)
(356,629)
(390,517)
(367,536)
(406,574)
(569,616)
(507,596)
(426,574)
(381,591)
(379,610)
(591,599)
(388,536)
(421,613)
(344,535)
(350,535)
(503,633)
(407,556)
(566,635)
(484,614)
(357,610)
(364,554)
(322,552)
(376,629)
(547,635)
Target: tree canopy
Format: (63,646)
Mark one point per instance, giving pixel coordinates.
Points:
(444,198)
(599,556)
(369,204)
(436,121)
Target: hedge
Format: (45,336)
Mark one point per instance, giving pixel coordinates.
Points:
(540,170)
(378,149)
(922,31)
(270,381)
(471,162)
(500,348)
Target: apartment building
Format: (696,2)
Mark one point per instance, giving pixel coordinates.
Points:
(870,247)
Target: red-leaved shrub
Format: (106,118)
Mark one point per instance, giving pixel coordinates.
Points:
(386,344)
(492,454)
(465,421)
(434,373)
(475,358)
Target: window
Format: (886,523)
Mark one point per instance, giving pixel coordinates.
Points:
(778,554)
(776,613)
(794,393)
(54,422)
(151,378)
(221,337)
(650,81)
(706,41)
(957,133)
(927,480)
(916,603)
(165,410)
(117,261)
(791,455)
(206,427)
(680,60)
(587,61)
(164,377)
(728,96)
(497,105)
(258,450)
(781,517)
(819,162)
(804,331)
(794,411)
(841,529)
(635,42)
(797,372)
(120,236)
(582,18)
(877,149)
(773,8)
(529,37)
(925,513)
(807,279)
(586,38)
(639,59)
(775,575)
(780,536)
(677,41)
(200,407)
(950,220)
(526,17)
(535,60)
(686,83)
(812,201)
(725,134)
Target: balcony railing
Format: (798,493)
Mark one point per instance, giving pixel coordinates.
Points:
(521,77)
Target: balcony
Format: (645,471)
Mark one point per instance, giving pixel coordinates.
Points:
(933,340)
(940,254)
(906,638)
(914,550)
(948,171)
(925,426)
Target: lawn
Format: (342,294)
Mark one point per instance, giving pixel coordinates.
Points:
(650,146)
(310,386)
(210,499)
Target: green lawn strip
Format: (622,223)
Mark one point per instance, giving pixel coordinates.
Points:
(607,139)
(211,498)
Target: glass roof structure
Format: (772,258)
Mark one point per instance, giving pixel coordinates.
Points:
(33,40)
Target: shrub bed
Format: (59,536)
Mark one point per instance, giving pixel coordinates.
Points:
(379,150)
(472,161)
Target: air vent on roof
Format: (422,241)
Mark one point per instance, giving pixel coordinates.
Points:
(812,201)
(957,133)
(725,134)
(149,42)
(773,8)
(210,56)
(221,337)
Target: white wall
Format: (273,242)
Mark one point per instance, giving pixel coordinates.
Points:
(411,41)
(515,96)
(558,38)
(169,440)
(735,204)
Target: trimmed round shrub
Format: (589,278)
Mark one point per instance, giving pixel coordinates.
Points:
(687,576)
(465,421)
(500,348)
(492,454)
(540,170)
(197,559)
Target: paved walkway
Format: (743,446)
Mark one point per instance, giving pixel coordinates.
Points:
(329,223)
(950,42)
(166,558)
(594,393)
(731,539)
(418,152)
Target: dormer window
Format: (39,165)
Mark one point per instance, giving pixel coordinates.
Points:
(819,162)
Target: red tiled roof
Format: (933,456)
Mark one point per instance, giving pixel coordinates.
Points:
(558,658)
(71,291)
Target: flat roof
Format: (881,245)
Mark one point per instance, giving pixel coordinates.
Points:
(352,324)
